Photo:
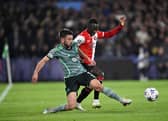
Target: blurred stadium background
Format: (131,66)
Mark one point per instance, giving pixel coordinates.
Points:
(31,27)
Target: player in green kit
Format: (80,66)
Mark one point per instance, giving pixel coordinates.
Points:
(75,74)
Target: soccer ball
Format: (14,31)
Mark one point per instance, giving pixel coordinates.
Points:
(151,94)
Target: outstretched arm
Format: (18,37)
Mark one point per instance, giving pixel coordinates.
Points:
(39,66)
(114,31)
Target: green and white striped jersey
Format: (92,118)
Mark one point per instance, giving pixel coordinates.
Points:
(69,60)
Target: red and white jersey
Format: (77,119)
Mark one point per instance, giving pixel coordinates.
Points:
(87,43)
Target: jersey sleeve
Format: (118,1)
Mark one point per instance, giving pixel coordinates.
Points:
(110,33)
(52,53)
(79,40)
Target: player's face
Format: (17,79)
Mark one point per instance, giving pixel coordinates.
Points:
(68,40)
(93,28)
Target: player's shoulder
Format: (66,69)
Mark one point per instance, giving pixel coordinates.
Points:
(84,33)
(79,38)
(58,47)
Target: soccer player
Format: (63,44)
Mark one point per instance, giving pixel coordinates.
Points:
(87,43)
(75,74)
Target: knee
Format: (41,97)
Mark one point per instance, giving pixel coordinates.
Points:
(96,85)
(99,88)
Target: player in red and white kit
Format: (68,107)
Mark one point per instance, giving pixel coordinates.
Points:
(87,40)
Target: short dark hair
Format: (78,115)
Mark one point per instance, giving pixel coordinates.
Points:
(92,21)
(92,25)
(65,32)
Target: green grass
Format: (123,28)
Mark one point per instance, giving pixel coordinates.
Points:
(2,87)
(25,102)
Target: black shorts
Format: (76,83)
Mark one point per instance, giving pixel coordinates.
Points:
(73,83)
(94,70)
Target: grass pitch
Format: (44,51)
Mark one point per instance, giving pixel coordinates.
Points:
(25,102)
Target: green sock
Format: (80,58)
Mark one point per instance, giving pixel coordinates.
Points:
(57,109)
(108,92)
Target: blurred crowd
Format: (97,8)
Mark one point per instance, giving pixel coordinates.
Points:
(31,26)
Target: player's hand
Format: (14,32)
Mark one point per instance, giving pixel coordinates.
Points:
(35,78)
(122,21)
(92,63)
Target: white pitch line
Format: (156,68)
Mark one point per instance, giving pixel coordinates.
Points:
(5,92)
